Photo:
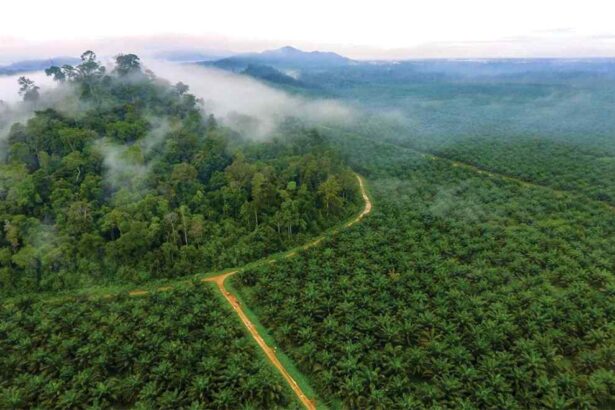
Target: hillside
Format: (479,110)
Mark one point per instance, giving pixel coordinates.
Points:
(270,74)
(138,169)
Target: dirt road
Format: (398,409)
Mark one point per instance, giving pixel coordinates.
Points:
(269,352)
(232,299)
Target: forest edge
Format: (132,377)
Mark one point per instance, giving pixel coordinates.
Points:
(232,300)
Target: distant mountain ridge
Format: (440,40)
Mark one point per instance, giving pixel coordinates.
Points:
(36,65)
(289,53)
(273,66)
(285,57)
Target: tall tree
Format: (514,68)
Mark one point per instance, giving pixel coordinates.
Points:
(28,90)
(127,64)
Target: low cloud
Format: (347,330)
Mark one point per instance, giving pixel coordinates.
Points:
(129,166)
(125,166)
(452,202)
(239,100)
(9,89)
(13,110)
(159,130)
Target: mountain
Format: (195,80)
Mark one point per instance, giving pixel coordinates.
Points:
(285,57)
(270,74)
(36,65)
(291,55)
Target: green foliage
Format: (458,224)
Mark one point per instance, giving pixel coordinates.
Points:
(126,64)
(561,165)
(458,291)
(138,184)
(168,350)
(545,121)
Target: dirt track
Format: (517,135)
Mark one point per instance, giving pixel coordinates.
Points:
(269,352)
(232,299)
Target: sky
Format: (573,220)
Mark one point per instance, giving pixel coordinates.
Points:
(360,29)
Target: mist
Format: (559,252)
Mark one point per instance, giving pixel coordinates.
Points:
(437,105)
(9,89)
(124,166)
(159,130)
(231,97)
(13,110)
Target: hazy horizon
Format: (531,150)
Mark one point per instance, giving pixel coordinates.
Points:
(394,30)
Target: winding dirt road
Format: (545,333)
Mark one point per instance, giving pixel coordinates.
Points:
(232,299)
(270,352)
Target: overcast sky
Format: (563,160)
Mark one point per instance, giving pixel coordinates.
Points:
(360,29)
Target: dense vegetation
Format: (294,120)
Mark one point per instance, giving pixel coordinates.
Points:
(571,166)
(459,291)
(561,165)
(546,121)
(441,102)
(167,350)
(554,129)
(119,177)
